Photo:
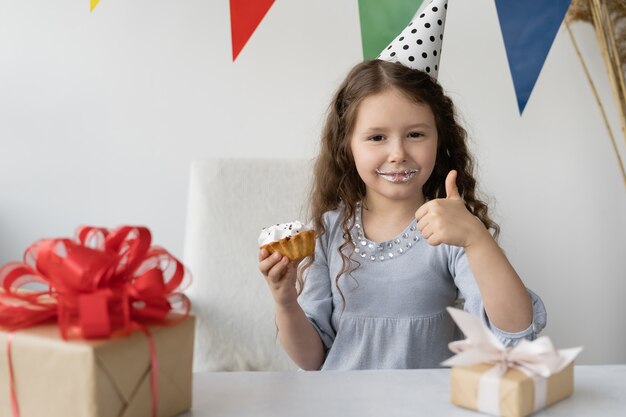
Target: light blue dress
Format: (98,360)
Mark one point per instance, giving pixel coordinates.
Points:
(395,312)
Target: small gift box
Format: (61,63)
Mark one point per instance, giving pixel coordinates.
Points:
(108,335)
(507,382)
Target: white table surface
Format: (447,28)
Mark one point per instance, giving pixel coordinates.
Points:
(598,391)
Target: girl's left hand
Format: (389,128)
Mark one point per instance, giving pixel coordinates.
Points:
(447,220)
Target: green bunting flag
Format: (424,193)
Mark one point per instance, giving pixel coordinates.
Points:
(381,21)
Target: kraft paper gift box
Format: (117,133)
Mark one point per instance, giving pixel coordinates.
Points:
(515,392)
(97,378)
(98,286)
(507,382)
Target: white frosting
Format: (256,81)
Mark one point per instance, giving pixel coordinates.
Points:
(277,232)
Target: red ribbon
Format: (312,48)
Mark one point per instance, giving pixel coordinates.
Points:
(14,407)
(100,284)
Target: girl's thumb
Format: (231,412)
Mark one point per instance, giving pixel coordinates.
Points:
(451,190)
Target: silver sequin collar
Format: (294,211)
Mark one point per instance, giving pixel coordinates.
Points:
(386,250)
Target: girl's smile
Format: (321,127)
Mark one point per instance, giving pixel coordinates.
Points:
(398,177)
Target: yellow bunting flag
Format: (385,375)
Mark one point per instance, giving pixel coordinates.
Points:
(94,3)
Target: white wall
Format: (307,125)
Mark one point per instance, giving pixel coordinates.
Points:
(101,114)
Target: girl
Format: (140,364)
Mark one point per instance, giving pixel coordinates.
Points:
(400,232)
(400,235)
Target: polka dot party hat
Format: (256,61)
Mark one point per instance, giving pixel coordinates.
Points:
(418,46)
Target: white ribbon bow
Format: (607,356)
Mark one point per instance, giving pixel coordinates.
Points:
(537,359)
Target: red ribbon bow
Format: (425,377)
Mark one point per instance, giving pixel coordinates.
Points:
(99,284)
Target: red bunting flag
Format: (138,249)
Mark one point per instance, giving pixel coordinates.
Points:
(245,16)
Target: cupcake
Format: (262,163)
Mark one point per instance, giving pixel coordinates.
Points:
(293,240)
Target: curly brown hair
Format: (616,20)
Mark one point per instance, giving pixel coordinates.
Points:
(335,178)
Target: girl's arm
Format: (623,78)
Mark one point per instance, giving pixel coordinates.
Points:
(505,298)
(299,338)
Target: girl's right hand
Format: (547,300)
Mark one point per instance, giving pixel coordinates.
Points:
(280,275)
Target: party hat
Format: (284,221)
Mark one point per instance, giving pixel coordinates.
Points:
(418,46)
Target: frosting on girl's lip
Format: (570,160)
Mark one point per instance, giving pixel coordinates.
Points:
(398,177)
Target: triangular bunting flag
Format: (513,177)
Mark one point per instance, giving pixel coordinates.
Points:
(245,16)
(382,20)
(93,4)
(528,29)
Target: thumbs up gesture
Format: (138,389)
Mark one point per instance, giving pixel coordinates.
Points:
(447,220)
(452,192)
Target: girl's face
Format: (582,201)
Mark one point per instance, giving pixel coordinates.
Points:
(394,145)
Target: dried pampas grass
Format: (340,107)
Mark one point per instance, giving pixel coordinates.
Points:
(580,10)
(608,18)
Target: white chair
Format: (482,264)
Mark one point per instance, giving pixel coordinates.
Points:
(230,200)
